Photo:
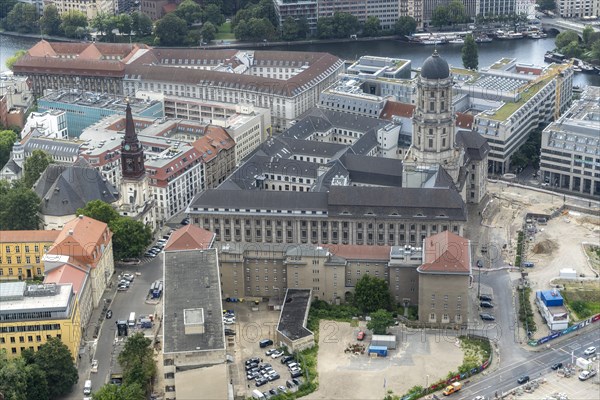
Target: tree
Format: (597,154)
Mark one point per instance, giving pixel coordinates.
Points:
(22,18)
(380,321)
(266,9)
(212,14)
(10,61)
(50,21)
(130,237)
(189,11)
(124,24)
(7,140)
(13,378)
(303,27)
(440,16)
(325,28)
(5,7)
(566,37)
(241,30)
(345,24)
(456,12)
(19,207)
(372,26)
(590,36)
(72,21)
(141,24)
(37,384)
(470,56)
(208,32)
(100,211)
(34,166)
(289,29)
(120,392)
(101,22)
(371,293)
(54,358)
(171,30)
(255,29)
(405,26)
(137,361)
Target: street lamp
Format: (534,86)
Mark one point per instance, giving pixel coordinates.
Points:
(479,266)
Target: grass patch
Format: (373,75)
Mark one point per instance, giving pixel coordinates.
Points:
(476,351)
(583,302)
(520,238)
(525,310)
(225,32)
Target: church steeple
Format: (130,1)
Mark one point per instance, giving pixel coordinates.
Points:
(132,152)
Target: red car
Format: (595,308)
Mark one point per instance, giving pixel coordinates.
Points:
(360,336)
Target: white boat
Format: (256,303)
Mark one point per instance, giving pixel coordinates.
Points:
(456,41)
(483,39)
(434,41)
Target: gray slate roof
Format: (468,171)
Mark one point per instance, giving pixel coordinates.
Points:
(63,189)
(53,147)
(294,314)
(245,176)
(475,145)
(259,200)
(373,170)
(435,67)
(11,165)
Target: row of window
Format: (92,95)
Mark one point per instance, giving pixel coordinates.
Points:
(19,259)
(19,271)
(8,248)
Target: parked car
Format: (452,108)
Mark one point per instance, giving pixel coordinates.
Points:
(273,377)
(296,374)
(589,351)
(286,359)
(528,264)
(487,317)
(296,381)
(129,277)
(124,282)
(273,392)
(109,314)
(486,304)
(281,389)
(251,365)
(149,254)
(585,375)
(270,351)
(485,297)
(277,354)
(289,384)
(122,288)
(360,336)
(265,343)
(185,221)
(261,381)
(229,332)
(556,366)
(523,379)
(252,360)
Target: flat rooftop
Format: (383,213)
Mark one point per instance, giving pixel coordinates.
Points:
(39,298)
(191,282)
(98,100)
(294,313)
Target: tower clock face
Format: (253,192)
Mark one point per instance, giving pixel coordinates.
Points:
(127,147)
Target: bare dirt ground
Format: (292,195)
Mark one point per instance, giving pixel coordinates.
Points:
(555,246)
(418,360)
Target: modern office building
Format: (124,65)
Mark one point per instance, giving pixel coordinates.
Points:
(86,108)
(496,7)
(89,8)
(21,253)
(298,9)
(32,314)
(50,124)
(570,157)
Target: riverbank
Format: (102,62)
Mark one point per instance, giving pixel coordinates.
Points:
(37,36)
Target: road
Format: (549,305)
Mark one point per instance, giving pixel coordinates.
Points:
(535,365)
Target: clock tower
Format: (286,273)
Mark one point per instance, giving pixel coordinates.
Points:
(136,200)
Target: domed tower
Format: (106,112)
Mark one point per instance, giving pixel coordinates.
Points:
(433,137)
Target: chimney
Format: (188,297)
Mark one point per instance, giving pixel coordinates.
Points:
(70,232)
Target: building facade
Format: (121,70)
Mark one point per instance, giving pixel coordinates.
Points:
(22,252)
(570,157)
(298,9)
(578,8)
(50,124)
(30,315)
(90,8)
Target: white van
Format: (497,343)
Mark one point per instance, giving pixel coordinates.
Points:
(256,394)
(87,387)
(131,320)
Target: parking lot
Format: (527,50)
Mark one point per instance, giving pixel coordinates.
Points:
(572,388)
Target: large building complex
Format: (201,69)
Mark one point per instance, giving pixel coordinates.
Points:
(578,8)
(570,157)
(32,314)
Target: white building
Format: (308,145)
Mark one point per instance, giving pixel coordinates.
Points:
(90,8)
(50,124)
(578,8)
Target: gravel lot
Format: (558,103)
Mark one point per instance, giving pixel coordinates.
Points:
(344,376)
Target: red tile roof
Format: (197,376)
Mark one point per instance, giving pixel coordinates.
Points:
(446,253)
(82,239)
(190,237)
(360,252)
(28,236)
(67,274)
(393,108)
(214,140)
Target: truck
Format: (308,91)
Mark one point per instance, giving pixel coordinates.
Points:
(455,387)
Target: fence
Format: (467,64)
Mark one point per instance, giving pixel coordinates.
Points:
(571,329)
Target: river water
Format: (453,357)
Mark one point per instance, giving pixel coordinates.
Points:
(524,50)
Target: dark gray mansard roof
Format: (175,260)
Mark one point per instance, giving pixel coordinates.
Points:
(245,176)
(475,145)
(373,170)
(63,189)
(259,200)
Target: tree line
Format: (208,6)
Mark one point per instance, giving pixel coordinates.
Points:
(588,48)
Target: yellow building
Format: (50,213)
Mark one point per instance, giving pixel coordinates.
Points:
(21,253)
(30,315)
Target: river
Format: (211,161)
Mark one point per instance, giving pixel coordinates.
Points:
(524,50)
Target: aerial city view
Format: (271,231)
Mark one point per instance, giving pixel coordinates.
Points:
(285,199)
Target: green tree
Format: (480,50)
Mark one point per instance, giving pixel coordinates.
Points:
(37,384)
(456,12)
(440,16)
(595,51)
(119,392)
(566,37)
(13,378)
(130,237)
(208,32)
(141,24)
(100,211)
(7,139)
(5,7)
(325,29)
(34,166)
(380,321)
(405,26)
(546,5)
(303,27)
(50,21)
(572,50)
(212,14)
(588,35)
(19,207)
(10,61)
(371,293)
(372,26)
(171,30)
(102,23)
(345,24)
(137,361)
(470,56)
(242,30)
(255,29)
(289,29)
(266,9)
(54,358)
(72,21)
(22,18)
(124,24)
(189,11)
